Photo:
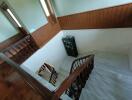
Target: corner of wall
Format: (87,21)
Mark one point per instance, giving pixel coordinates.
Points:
(45,33)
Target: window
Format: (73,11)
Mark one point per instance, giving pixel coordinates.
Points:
(6,10)
(45,8)
(6,28)
(48,9)
(30,13)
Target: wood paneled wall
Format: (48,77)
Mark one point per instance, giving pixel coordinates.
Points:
(113,17)
(45,33)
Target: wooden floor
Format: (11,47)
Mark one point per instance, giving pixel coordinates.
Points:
(17,89)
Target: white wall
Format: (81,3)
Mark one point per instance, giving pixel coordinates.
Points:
(30,13)
(109,40)
(112,40)
(6,28)
(67,7)
(53,53)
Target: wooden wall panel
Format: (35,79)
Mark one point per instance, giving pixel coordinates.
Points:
(45,33)
(113,17)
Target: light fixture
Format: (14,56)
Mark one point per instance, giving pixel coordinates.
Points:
(14,18)
(45,8)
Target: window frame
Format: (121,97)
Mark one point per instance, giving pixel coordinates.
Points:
(21,31)
(52,17)
(3,7)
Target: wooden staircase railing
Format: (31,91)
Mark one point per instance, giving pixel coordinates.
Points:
(53,77)
(73,84)
(30,80)
(53,74)
(88,62)
(21,50)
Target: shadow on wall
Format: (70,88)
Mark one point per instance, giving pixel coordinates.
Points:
(113,40)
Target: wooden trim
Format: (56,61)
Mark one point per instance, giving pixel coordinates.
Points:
(113,17)
(46,32)
(31,81)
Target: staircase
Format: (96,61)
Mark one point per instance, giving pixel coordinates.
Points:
(109,80)
(49,73)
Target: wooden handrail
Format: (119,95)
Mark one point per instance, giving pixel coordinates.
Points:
(71,78)
(21,50)
(31,81)
(78,59)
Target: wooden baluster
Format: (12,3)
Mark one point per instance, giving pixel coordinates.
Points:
(85,64)
(28,42)
(14,54)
